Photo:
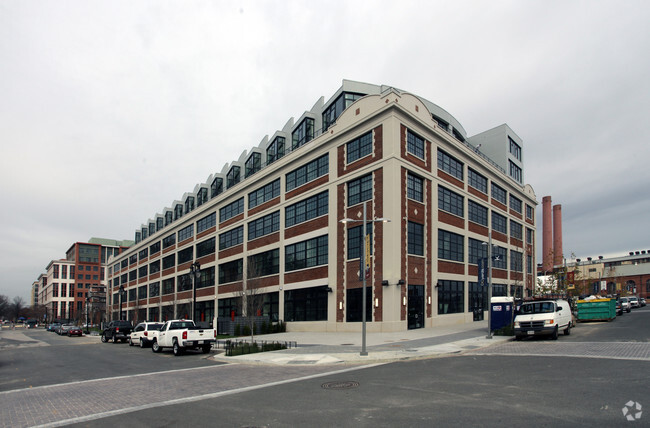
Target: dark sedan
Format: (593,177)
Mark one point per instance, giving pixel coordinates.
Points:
(74,331)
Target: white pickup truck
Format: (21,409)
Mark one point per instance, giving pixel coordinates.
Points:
(181,335)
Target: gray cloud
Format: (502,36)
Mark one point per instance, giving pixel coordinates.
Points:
(112,110)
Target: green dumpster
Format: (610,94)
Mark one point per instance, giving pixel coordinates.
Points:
(596,310)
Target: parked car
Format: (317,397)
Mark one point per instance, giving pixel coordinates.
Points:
(64,329)
(642,301)
(74,331)
(144,334)
(619,308)
(181,335)
(545,317)
(53,327)
(117,330)
(626,304)
(634,302)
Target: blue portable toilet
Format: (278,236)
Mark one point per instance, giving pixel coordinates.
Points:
(502,309)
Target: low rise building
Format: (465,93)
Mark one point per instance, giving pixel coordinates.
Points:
(282,225)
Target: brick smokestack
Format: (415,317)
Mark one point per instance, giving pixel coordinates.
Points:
(547,234)
(558,255)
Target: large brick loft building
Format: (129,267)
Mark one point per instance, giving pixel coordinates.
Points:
(272,220)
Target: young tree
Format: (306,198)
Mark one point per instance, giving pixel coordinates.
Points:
(251,295)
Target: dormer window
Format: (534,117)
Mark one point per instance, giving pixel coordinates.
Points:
(303,134)
(216,188)
(233,177)
(253,164)
(275,150)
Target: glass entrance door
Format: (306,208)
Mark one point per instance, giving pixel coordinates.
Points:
(415,306)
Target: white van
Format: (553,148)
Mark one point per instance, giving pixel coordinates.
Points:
(543,317)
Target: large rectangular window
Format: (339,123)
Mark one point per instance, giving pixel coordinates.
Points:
(169,261)
(169,241)
(264,264)
(516,261)
(355,240)
(499,258)
(414,187)
(306,304)
(306,173)
(516,230)
(415,238)
(264,225)
(359,147)
(515,149)
(360,190)
(477,213)
(142,254)
(450,165)
(168,286)
(231,238)
(515,171)
(450,246)
(451,202)
(231,271)
(206,223)
(530,212)
(264,194)
(303,134)
(207,278)
(154,248)
(529,236)
(154,267)
(185,255)
(451,297)
(205,248)
(515,204)
(231,210)
(142,271)
(498,193)
(476,250)
(499,223)
(305,254)
(154,289)
(415,144)
(310,208)
(275,150)
(477,181)
(186,233)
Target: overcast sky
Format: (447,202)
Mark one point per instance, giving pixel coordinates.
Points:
(111,110)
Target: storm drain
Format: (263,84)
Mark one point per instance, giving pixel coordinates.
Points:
(350,384)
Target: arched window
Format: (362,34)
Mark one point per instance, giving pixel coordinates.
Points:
(647,286)
(630,286)
(611,287)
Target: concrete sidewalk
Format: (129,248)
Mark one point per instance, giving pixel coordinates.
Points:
(344,348)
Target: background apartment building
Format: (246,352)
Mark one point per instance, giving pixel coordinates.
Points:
(271,222)
(75,286)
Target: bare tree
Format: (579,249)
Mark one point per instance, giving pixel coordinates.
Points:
(16,308)
(4,306)
(251,295)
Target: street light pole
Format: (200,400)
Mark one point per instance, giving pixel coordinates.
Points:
(363,264)
(87,331)
(489,263)
(195,274)
(122,291)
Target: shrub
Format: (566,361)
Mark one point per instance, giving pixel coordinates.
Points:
(237,330)
(246,331)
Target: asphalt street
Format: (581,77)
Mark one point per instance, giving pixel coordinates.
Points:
(585,379)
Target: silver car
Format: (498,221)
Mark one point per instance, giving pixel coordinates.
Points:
(634,302)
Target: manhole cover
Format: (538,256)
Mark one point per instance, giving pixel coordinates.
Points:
(340,385)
